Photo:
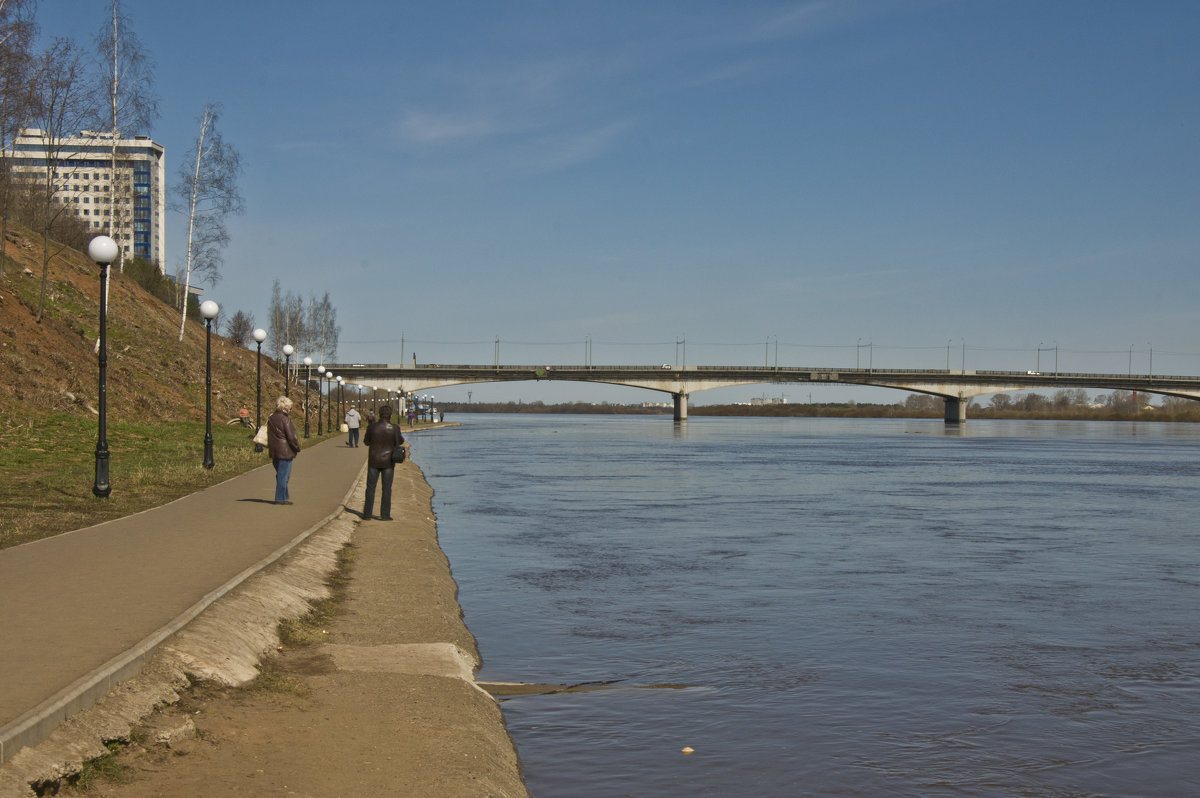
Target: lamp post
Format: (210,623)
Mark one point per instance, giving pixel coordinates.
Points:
(375,400)
(103,250)
(260,335)
(320,396)
(209,311)
(307,376)
(341,397)
(287,368)
(329,407)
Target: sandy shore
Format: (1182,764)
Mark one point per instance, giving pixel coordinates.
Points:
(387,705)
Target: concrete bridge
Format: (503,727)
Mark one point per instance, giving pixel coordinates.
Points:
(956,387)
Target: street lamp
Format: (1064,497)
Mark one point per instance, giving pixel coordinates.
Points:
(103,250)
(329,407)
(320,396)
(287,368)
(307,376)
(260,335)
(341,397)
(209,311)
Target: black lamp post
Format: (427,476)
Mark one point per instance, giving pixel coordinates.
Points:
(375,400)
(260,335)
(209,311)
(329,407)
(341,397)
(103,250)
(320,407)
(287,368)
(307,377)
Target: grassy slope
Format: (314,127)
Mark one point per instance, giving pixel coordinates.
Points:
(155,398)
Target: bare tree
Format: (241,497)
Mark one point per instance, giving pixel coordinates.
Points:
(239,328)
(62,104)
(323,328)
(17,30)
(130,106)
(207,193)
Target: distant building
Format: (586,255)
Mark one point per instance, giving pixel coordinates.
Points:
(769,400)
(130,205)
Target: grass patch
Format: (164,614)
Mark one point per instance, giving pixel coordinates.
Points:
(107,768)
(313,626)
(274,679)
(48,463)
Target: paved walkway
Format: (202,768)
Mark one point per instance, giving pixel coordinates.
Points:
(84,610)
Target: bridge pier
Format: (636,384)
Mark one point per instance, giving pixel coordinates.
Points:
(956,410)
(680,400)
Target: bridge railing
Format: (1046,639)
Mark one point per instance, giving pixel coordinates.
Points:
(550,370)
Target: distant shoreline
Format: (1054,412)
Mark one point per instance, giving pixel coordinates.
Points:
(1186,414)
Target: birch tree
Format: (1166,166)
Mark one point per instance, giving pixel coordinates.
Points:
(129,107)
(207,193)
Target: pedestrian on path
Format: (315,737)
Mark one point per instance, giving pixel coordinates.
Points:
(283,445)
(353,422)
(381,438)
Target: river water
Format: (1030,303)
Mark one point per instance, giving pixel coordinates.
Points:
(824,607)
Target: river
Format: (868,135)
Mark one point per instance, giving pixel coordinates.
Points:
(827,607)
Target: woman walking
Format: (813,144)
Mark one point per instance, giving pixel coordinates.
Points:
(283,445)
(381,438)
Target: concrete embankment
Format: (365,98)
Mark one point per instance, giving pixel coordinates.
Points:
(386,706)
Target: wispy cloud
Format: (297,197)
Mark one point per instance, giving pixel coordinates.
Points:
(568,149)
(423,127)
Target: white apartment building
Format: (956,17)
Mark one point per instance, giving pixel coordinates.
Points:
(130,205)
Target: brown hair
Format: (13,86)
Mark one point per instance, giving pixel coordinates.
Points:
(385,412)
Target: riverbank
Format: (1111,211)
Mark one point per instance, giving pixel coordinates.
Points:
(384,704)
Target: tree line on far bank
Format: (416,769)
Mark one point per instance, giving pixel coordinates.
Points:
(1065,404)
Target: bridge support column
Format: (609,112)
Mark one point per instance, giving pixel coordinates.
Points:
(680,406)
(956,410)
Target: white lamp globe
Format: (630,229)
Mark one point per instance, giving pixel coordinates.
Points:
(102,249)
(260,335)
(288,349)
(209,309)
(307,360)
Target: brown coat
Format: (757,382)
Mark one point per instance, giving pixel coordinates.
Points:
(282,442)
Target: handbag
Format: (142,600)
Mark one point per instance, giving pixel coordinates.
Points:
(398,453)
(260,437)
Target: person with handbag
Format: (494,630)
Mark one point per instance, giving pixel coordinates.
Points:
(385,448)
(283,445)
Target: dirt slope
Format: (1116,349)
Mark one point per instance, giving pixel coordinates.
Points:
(52,365)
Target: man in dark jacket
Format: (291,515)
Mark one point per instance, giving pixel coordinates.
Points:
(380,438)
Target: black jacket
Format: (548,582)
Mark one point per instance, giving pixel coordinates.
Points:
(380,438)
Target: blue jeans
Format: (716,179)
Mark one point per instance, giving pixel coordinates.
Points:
(385,495)
(353,437)
(283,472)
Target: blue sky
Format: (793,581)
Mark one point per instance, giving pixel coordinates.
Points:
(761,179)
